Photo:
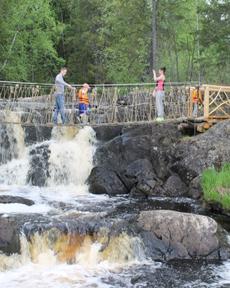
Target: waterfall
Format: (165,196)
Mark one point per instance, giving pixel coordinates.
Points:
(71,161)
(66,159)
(46,258)
(12,144)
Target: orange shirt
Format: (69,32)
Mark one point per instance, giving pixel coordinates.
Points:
(83,97)
(196,96)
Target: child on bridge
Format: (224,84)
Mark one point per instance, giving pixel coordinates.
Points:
(83,97)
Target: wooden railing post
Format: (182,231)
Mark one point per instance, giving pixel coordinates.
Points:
(190,104)
(206,102)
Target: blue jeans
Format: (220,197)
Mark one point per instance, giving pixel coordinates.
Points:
(83,108)
(59,108)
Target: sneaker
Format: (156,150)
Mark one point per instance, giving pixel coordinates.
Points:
(160,119)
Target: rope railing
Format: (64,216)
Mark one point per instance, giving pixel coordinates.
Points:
(110,103)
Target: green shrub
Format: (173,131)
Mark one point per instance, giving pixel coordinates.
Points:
(216,186)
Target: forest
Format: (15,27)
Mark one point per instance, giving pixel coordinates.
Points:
(115,41)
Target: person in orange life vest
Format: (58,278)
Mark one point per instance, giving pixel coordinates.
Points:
(83,99)
(196,100)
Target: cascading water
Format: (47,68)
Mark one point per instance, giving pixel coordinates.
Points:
(69,238)
(61,167)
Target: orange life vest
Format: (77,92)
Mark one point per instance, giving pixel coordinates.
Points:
(83,97)
(196,96)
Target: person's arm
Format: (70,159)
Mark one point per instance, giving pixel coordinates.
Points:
(157,78)
(60,80)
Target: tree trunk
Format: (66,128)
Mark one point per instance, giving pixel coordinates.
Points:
(154,35)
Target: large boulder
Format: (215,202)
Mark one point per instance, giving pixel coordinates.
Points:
(174,187)
(140,177)
(106,181)
(211,149)
(137,159)
(155,159)
(175,235)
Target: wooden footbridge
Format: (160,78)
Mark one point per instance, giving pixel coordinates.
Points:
(33,103)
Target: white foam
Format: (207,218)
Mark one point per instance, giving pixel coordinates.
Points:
(72,160)
(58,276)
(224,272)
(17,208)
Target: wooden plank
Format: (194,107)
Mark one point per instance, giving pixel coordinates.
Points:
(217,87)
(206,103)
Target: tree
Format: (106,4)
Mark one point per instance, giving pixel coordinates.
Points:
(30,32)
(154,34)
(215,40)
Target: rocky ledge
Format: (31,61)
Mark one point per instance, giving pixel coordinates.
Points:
(156,159)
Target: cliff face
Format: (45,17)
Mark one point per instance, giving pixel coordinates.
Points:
(156,159)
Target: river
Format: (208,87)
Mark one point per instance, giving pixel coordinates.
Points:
(52,258)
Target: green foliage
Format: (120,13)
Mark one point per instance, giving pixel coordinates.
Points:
(30,31)
(215,39)
(111,41)
(216,186)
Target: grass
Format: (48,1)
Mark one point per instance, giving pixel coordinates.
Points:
(216,186)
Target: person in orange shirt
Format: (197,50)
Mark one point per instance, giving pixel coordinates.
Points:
(83,100)
(196,100)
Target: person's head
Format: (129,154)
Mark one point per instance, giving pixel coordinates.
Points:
(63,71)
(86,86)
(162,70)
(197,87)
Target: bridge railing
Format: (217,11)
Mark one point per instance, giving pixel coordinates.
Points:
(113,103)
(216,102)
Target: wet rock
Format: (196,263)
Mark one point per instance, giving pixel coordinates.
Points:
(105,181)
(174,163)
(6,199)
(10,231)
(134,155)
(140,176)
(9,143)
(174,187)
(107,133)
(36,133)
(9,235)
(39,165)
(174,235)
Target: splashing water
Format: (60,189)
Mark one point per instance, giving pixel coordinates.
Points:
(43,261)
(71,160)
(12,137)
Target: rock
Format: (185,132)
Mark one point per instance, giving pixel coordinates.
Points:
(195,189)
(139,174)
(9,235)
(36,133)
(105,181)
(174,235)
(39,165)
(211,149)
(6,199)
(174,187)
(132,155)
(154,159)
(107,133)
